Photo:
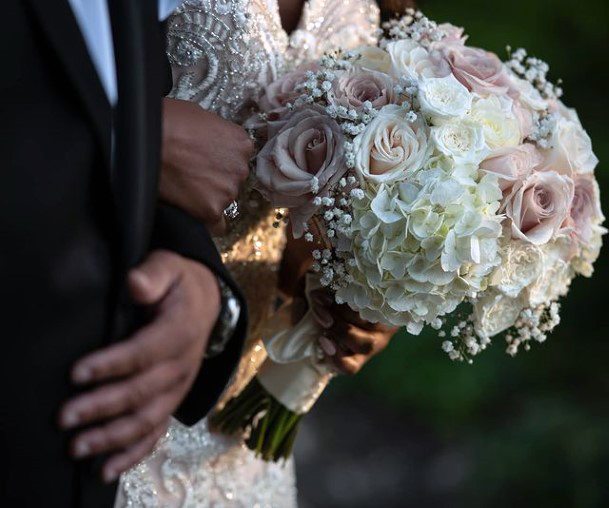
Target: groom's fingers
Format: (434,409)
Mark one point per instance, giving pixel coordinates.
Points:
(126,431)
(121,397)
(156,341)
(124,461)
(152,280)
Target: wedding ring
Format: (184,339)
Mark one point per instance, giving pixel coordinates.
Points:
(231,212)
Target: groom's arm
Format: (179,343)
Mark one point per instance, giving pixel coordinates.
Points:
(178,232)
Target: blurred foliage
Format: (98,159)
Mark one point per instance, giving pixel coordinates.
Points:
(536,426)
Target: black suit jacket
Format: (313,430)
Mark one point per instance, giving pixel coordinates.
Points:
(71,225)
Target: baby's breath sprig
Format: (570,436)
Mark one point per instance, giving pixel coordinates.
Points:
(544,125)
(533,324)
(413,25)
(535,71)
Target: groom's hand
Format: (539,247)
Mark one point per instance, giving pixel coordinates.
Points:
(137,384)
(205,161)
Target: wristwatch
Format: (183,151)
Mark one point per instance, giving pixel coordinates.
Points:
(230,310)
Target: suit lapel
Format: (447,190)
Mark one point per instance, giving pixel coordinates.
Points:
(137,125)
(61,29)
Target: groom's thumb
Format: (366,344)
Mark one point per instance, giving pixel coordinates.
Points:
(152,280)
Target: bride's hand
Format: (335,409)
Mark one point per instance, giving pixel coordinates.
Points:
(348,341)
(205,160)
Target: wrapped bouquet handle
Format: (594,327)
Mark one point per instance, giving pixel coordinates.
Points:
(295,373)
(288,384)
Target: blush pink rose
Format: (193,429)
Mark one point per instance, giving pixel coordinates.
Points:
(478,70)
(538,206)
(512,164)
(354,87)
(303,158)
(284,90)
(585,212)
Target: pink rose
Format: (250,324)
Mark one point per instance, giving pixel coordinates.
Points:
(479,70)
(303,158)
(585,212)
(284,90)
(512,164)
(538,206)
(352,88)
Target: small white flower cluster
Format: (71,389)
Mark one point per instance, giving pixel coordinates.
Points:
(335,214)
(543,129)
(534,324)
(534,71)
(463,343)
(413,25)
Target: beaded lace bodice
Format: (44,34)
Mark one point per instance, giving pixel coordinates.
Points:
(223,52)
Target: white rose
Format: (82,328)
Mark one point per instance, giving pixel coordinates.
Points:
(521,265)
(409,59)
(571,150)
(495,312)
(444,97)
(494,114)
(463,140)
(391,148)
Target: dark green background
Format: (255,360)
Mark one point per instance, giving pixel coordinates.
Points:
(414,429)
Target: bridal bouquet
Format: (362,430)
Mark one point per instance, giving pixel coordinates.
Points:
(446,187)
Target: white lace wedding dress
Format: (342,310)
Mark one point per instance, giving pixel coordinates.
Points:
(223,52)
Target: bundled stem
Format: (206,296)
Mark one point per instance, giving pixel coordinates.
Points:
(272,428)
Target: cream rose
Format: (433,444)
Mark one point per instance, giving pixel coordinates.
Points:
(521,265)
(391,147)
(571,150)
(373,58)
(353,88)
(556,275)
(444,97)
(303,157)
(538,206)
(512,164)
(495,312)
(409,59)
(501,128)
(479,70)
(462,140)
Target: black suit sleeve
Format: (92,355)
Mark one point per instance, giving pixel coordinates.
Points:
(178,232)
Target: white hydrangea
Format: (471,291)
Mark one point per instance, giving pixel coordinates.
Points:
(421,246)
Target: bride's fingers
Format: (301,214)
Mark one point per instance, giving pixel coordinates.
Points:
(125,460)
(124,432)
(352,338)
(347,363)
(121,397)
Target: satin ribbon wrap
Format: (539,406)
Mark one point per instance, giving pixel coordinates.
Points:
(294,372)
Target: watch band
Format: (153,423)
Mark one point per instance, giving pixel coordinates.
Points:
(230,309)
